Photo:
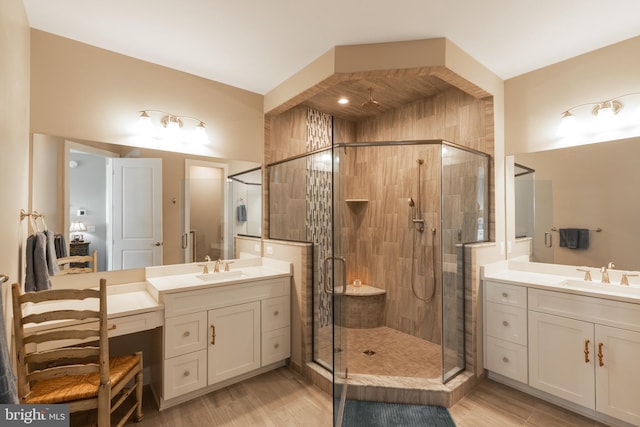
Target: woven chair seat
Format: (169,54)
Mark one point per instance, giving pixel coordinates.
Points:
(77,387)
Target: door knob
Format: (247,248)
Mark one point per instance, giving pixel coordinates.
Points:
(157,244)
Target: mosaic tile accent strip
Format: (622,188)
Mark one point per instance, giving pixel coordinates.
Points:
(318,130)
(318,209)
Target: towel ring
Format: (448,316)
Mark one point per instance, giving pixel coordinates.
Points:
(4,278)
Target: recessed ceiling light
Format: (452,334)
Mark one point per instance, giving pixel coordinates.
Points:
(343,101)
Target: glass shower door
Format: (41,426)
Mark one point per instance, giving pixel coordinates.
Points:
(465,206)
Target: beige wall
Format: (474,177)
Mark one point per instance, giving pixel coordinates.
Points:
(83,92)
(534,101)
(14,135)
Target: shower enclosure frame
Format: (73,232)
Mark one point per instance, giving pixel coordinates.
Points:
(327,162)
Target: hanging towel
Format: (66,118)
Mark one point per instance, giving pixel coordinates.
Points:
(52,260)
(574,238)
(242,213)
(37,277)
(60,245)
(8,391)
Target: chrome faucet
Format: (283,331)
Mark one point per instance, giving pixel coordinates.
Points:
(605,272)
(216,267)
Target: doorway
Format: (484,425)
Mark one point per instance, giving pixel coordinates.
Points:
(205,216)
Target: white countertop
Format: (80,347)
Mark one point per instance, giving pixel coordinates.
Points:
(563,278)
(184,277)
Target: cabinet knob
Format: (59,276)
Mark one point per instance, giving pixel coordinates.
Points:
(276,345)
(186,373)
(505,359)
(186,334)
(275,313)
(505,323)
(505,295)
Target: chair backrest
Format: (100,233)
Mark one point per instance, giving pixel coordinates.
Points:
(66,268)
(40,353)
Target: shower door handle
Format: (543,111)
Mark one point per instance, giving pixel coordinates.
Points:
(329,289)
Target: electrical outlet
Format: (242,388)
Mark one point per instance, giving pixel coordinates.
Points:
(269,250)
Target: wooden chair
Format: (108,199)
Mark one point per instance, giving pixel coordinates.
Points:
(81,375)
(66,262)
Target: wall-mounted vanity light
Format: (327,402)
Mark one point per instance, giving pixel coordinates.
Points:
(605,115)
(172,126)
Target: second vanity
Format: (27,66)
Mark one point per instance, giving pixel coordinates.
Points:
(219,327)
(576,343)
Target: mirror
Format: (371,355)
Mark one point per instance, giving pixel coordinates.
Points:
(593,187)
(80,167)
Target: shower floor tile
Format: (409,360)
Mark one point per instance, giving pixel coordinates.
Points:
(385,351)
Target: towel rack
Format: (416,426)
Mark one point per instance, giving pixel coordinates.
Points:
(597,230)
(3,278)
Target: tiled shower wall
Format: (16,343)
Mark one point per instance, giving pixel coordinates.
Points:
(389,178)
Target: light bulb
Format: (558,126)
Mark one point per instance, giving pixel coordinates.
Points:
(144,126)
(200,134)
(568,124)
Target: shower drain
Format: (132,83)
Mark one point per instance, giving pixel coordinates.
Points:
(369,352)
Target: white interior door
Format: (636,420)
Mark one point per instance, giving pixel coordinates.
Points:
(136,213)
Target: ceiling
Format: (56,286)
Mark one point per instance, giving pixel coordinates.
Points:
(256,44)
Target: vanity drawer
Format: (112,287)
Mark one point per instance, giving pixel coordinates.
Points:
(507,323)
(276,345)
(506,358)
(504,293)
(184,334)
(186,373)
(115,327)
(275,313)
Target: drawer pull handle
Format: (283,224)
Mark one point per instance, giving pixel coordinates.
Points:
(275,313)
(586,351)
(505,359)
(186,373)
(112,327)
(505,295)
(186,334)
(276,345)
(600,355)
(505,323)
(213,335)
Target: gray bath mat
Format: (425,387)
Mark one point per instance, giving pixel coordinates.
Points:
(360,413)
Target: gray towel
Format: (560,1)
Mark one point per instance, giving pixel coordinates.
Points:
(52,260)
(574,238)
(242,213)
(37,277)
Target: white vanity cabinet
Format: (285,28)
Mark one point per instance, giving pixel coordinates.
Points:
(216,335)
(580,348)
(586,350)
(506,330)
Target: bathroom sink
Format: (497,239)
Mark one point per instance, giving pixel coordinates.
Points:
(605,288)
(222,275)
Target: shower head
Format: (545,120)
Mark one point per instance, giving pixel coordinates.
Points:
(371,104)
(411,203)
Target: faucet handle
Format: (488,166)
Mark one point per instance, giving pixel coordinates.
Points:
(587,273)
(625,278)
(205,268)
(226,265)
(610,265)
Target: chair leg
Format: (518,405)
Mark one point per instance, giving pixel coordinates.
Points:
(104,405)
(139,383)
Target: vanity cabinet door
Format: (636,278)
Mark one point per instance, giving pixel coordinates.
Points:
(234,341)
(557,361)
(618,376)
